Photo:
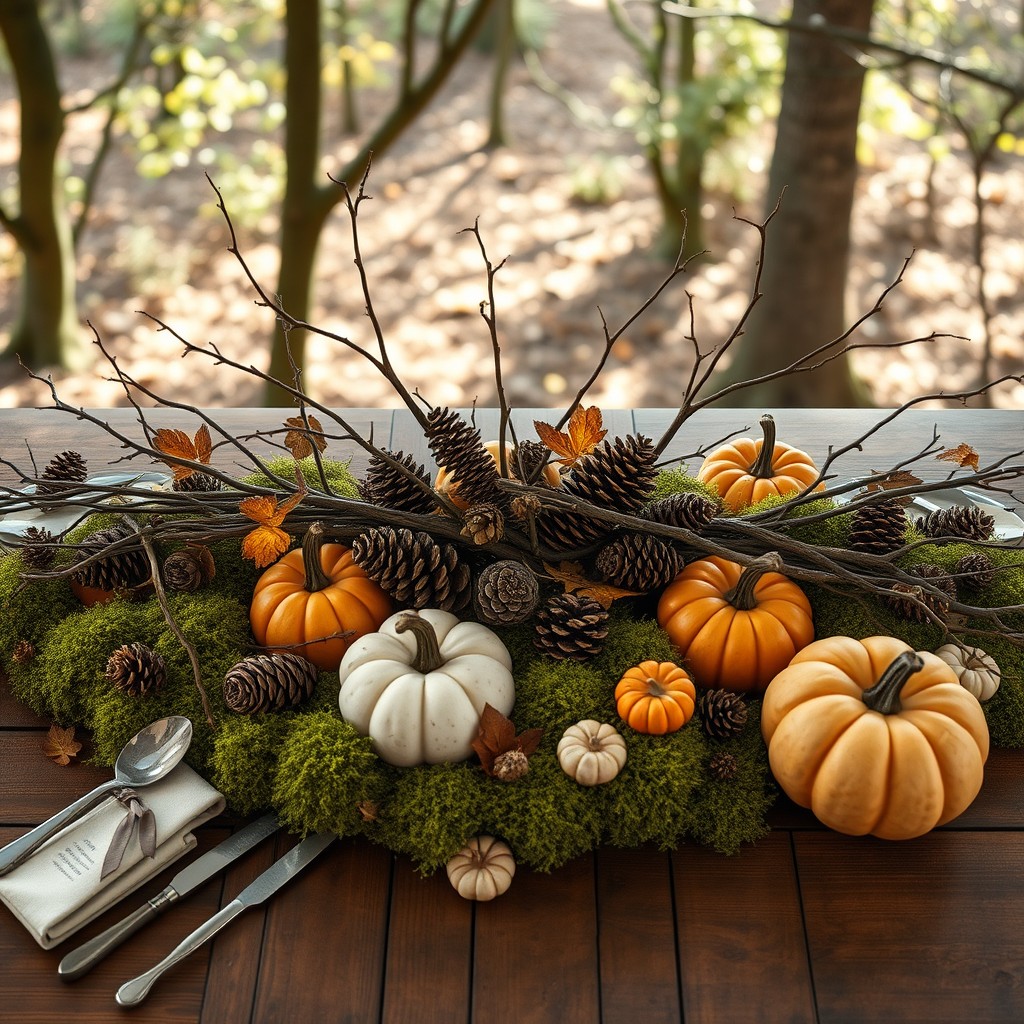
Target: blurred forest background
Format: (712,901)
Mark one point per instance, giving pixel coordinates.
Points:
(572,134)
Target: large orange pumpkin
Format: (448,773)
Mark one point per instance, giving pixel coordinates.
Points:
(313,593)
(874,737)
(735,627)
(444,484)
(746,471)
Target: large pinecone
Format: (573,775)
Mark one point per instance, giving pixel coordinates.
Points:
(639,561)
(39,550)
(269,682)
(686,509)
(506,592)
(878,528)
(136,669)
(389,487)
(974,571)
(66,468)
(457,447)
(413,568)
(934,575)
(123,569)
(967,521)
(569,627)
(722,713)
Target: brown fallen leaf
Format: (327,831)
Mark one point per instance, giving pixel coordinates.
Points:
(299,440)
(570,575)
(178,445)
(963,455)
(497,736)
(60,744)
(582,437)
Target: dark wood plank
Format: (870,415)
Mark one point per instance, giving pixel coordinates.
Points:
(926,930)
(742,956)
(14,715)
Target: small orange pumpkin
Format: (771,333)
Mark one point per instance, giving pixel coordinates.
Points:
(444,484)
(735,627)
(312,593)
(746,471)
(655,697)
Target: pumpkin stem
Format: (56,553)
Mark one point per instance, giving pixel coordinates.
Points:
(762,466)
(884,696)
(428,652)
(312,542)
(741,597)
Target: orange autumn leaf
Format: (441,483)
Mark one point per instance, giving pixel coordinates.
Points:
(299,440)
(268,541)
(962,455)
(582,437)
(570,575)
(178,445)
(60,744)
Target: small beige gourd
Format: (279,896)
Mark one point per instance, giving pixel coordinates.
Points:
(482,869)
(591,752)
(977,671)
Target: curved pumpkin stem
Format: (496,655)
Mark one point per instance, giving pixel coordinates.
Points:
(428,652)
(763,465)
(312,542)
(884,696)
(741,597)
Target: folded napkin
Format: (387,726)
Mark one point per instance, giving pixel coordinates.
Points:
(61,887)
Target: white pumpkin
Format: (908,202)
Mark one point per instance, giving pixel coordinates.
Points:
(418,686)
(591,752)
(978,672)
(482,869)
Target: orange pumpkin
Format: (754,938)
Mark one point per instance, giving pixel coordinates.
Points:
(444,484)
(746,471)
(735,627)
(655,697)
(874,737)
(311,594)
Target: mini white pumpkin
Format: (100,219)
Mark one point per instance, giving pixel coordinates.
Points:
(978,672)
(482,869)
(591,752)
(418,686)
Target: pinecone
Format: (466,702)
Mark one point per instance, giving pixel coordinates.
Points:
(967,521)
(506,592)
(484,523)
(276,681)
(413,568)
(527,458)
(511,765)
(569,627)
(722,713)
(522,506)
(908,608)
(723,765)
(878,528)
(24,651)
(618,475)
(457,446)
(639,561)
(189,569)
(389,487)
(38,552)
(123,569)
(974,571)
(66,468)
(196,481)
(136,669)
(687,510)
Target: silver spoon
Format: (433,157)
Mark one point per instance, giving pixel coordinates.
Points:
(148,756)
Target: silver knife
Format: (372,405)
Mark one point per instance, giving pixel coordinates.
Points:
(203,868)
(131,993)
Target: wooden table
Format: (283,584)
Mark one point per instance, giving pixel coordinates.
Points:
(807,925)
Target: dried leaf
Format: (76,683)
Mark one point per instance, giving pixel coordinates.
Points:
(963,455)
(570,575)
(886,482)
(300,440)
(268,541)
(583,436)
(178,445)
(497,736)
(60,744)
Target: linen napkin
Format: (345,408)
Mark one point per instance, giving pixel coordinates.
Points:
(60,888)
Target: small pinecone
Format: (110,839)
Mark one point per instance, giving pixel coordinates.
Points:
(639,561)
(686,510)
(136,670)
(413,568)
(878,528)
(618,475)
(722,713)
(506,592)
(723,765)
(967,521)
(511,765)
(387,486)
(269,682)
(24,651)
(522,506)
(66,468)
(457,446)
(196,481)
(188,569)
(123,569)
(484,523)
(38,552)
(934,575)
(974,571)
(527,456)
(571,628)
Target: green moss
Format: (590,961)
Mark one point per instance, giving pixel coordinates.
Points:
(244,760)
(338,475)
(676,481)
(27,610)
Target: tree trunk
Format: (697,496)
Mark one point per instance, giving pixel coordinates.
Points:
(805,266)
(46,330)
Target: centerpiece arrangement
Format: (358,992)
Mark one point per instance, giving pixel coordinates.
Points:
(525,646)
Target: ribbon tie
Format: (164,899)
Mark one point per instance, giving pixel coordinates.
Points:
(140,818)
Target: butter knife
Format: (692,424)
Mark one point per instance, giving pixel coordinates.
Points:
(131,993)
(85,957)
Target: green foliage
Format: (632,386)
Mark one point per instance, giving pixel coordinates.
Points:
(677,481)
(337,474)
(244,761)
